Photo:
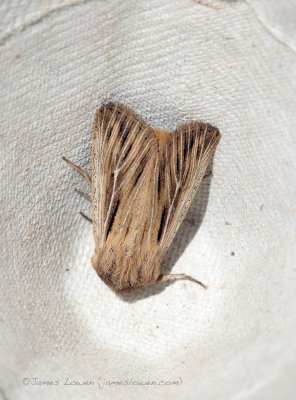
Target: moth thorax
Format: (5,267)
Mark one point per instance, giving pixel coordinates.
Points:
(124,270)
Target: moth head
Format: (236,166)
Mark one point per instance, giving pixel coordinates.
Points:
(124,272)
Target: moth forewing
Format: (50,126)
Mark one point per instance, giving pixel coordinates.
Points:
(142,183)
(185,160)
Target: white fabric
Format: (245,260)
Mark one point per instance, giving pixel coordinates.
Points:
(170,61)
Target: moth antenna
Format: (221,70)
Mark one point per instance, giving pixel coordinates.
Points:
(83,194)
(78,169)
(86,217)
(166,277)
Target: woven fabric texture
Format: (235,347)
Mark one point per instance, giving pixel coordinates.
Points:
(229,63)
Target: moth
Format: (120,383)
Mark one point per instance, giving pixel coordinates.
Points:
(142,183)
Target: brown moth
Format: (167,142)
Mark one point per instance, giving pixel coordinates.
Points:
(142,182)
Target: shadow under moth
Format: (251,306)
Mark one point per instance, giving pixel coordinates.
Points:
(142,183)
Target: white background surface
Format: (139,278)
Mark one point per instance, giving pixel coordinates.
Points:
(232,66)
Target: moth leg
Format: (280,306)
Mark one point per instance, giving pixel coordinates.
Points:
(166,277)
(207,175)
(87,196)
(86,217)
(78,169)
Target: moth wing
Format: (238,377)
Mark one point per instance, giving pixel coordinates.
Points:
(123,151)
(124,154)
(183,161)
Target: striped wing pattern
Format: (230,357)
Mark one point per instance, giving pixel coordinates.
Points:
(143,181)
